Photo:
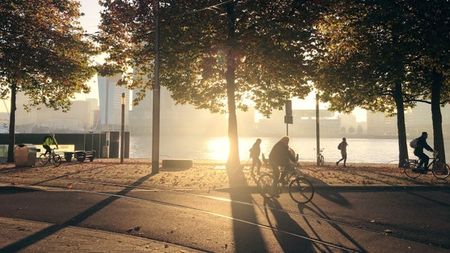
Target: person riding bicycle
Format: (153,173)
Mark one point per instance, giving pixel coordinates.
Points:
(48,141)
(281,156)
(421,143)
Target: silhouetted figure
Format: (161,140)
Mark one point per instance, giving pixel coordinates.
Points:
(418,151)
(280,156)
(48,141)
(255,151)
(343,148)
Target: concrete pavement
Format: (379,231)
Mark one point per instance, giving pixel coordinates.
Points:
(239,221)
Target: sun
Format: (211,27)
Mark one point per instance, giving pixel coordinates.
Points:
(218,148)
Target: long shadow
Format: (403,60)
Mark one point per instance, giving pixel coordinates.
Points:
(75,220)
(333,196)
(284,222)
(15,170)
(67,174)
(247,237)
(13,190)
(320,213)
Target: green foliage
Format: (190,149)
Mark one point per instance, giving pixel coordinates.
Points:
(271,44)
(43,51)
(370,50)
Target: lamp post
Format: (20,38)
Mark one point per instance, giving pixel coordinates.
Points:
(317,130)
(156,95)
(122,127)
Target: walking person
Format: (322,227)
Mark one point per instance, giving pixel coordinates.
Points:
(343,148)
(421,143)
(255,151)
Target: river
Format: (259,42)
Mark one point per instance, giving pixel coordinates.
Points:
(216,148)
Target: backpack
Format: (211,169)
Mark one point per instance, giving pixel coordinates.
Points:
(413,143)
(339,146)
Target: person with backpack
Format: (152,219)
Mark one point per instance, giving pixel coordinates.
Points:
(343,148)
(48,141)
(419,144)
(255,151)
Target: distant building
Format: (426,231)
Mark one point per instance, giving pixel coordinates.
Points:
(379,125)
(80,117)
(175,119)
(110,103)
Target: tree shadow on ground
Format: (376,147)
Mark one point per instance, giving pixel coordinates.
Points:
(14,190)
(333,196)
(284,229)
(321,214)
(247,237)
(75,220)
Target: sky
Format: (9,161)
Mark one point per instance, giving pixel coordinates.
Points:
(90,21)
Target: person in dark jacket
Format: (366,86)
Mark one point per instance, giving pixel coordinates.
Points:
(255,151)
(280,156)
(418,151)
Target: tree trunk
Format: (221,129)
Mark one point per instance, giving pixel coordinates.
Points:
(438,136)
(401,128)
(12,125)
(233,156)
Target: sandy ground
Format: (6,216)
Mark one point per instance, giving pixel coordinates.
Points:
(110,175)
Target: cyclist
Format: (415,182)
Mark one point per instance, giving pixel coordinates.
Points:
(48,141)
(255,151)
(280,156)
(421,144)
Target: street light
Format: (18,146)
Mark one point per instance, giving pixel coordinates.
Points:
(122,127)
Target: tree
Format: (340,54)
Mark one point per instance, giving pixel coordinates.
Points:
(43,53)
(432,47)
(366,60)
(215,55)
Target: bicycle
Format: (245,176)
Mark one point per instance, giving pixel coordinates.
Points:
(49,158)
(439,169)
(321,158)
(300,189)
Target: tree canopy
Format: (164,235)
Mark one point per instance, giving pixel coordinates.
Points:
(212,51)
(43,53)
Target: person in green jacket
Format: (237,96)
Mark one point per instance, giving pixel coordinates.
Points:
(48,141)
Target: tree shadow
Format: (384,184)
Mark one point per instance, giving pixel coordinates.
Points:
(320,213)
(247,237)
(284,222)
(75,220)
(333,196)
(14,190)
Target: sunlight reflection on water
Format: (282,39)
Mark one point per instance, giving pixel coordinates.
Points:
(216,148)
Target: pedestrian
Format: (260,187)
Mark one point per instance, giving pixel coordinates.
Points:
(420,144)
(255,151)
(280,156)
(343,148)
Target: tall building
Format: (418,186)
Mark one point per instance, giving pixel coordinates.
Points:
(110,103)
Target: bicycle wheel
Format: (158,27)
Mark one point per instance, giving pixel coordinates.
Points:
(408,170)
(42,160)
(440,170)
(264,184)
(301,190)
(56,160)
